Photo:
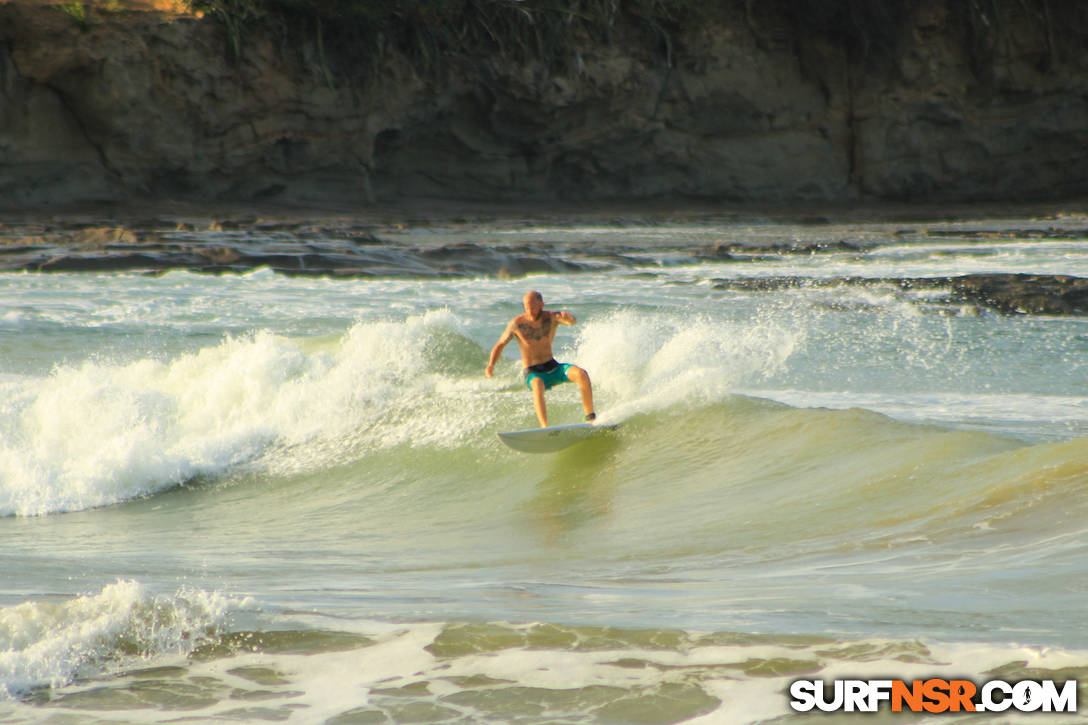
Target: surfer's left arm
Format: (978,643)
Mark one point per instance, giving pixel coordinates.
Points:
(565,318)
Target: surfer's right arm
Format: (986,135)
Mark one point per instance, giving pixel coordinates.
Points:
(496,352)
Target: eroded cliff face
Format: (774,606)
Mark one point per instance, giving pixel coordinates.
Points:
(151,104)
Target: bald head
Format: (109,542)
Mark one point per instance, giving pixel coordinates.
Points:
(534,303)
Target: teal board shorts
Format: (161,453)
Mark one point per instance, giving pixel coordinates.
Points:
(551,372)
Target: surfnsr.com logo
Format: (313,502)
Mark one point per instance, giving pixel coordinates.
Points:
(933,696)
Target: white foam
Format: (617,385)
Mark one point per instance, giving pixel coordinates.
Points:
(100,433)
(51,643)
(926,260)
(48,643)
(741,676)
(650,362)
(1028,416)
(13,319)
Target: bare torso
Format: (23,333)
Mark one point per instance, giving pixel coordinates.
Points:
(534,336)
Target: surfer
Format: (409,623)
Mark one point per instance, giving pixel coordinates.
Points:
(535,330)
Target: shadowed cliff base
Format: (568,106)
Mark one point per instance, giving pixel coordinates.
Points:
(839,100)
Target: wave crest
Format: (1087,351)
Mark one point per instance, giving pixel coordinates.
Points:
(49,643)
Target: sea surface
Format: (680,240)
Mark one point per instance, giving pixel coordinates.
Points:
(261,497)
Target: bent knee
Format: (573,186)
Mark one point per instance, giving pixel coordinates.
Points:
(577,374)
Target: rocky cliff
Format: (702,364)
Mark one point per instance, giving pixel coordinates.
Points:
(127,103)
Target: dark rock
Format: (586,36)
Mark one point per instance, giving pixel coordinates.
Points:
(141,104)
(1024,293)
(363,238)
(93,262)
(1011,294)
(718,253)
(220,255)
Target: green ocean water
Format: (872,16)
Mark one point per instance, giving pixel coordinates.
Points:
(264,498)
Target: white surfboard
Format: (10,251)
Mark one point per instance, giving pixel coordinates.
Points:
(551,439)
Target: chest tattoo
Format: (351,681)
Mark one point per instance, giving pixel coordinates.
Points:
(534,332)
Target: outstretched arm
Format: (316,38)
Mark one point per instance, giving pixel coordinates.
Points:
(496,352)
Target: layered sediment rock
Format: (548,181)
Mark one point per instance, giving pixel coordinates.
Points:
(147,103)
(1010,294)
(353,248)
